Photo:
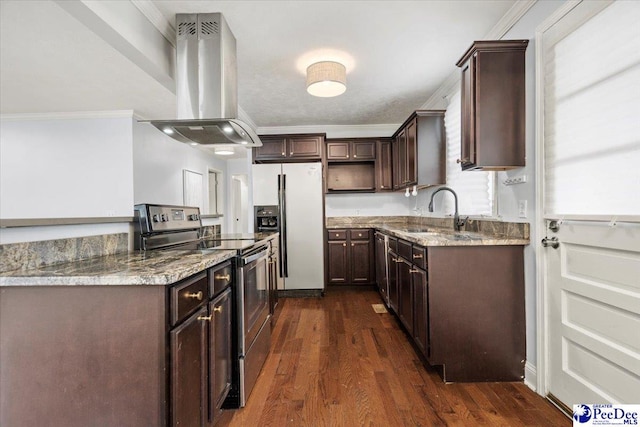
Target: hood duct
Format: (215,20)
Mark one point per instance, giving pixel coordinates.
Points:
(206,85)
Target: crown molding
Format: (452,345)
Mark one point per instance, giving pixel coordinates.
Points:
(151,12)
(116,114)
(508,20)
(334,131)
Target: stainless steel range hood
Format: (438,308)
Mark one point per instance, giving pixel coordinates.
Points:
(206,85)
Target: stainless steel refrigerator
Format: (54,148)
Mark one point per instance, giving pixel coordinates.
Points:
(297,189)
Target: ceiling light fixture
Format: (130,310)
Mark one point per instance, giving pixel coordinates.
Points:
(224,151)
(326,79)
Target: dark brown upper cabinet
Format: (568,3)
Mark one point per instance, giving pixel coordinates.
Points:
(351,150)
(351,165)
(418,150)
(493,105)
(384,168)
(289,148)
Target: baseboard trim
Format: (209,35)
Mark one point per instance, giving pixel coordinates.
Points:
(300,293)
(530,376)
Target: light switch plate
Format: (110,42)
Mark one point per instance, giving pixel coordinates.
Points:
(522,208)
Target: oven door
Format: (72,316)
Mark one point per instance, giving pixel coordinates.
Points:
(254,295)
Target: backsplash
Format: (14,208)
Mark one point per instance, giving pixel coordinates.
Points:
(28,255)
(499,228)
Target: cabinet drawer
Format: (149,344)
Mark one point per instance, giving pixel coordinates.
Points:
(360,234)
(220,277)
(420,256)
(404,249)
(187,296)
(337,234)
(393,244)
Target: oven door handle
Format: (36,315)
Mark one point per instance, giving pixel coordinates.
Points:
(249,259)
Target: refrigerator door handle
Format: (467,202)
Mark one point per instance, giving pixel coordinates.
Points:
(282,196)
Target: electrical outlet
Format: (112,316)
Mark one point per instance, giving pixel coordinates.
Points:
(522,208)
(357,212)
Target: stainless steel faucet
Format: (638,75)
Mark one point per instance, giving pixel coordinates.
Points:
(457,222)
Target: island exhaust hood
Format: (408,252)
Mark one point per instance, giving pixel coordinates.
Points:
(206,85)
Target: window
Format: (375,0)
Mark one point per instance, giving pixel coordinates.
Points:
(591,112)
(215,192)
(475,189)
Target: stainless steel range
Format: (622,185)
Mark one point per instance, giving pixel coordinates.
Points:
(164,227)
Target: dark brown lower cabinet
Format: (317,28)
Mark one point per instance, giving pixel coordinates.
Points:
(220,353)
(381,266)
(405,294)
(420,309)
(463,307)
(116,355)
(189,370)
(350,254)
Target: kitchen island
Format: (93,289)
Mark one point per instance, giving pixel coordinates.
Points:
(105,341)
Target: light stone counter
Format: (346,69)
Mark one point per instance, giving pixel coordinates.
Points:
(135,268)
(426,231)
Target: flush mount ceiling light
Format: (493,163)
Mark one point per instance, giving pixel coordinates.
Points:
(326,79)
(224,151)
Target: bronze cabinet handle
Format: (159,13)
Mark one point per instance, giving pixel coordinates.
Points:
(226,277)
(413,271)
(207,318)
(418,256)
(197,295)
(218,309)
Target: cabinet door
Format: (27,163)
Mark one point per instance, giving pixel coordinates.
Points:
(273,148)
(361,262)
(305,147)
(338,267)
(405,295)
(392,279)
(420,310)
(220,355)
(381,270)
(467,138)
(338,150)
(189,370)
(411,177)
(384,179)
(400,161)
(363,150)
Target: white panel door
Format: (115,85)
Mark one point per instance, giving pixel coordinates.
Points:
(265,184)
(593,279)
(589,69)
(305,255)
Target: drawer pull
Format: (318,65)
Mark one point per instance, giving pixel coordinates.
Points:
(218,309)
(359,234)
(396,260)
(337,235)
(283,153)
(344,244)
(353,244)
(226,277)
(197,295)
(207,318)
(414,271)
(418,256)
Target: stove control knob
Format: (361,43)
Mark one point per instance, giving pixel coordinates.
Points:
(193,217)
(164,218)
(156,218)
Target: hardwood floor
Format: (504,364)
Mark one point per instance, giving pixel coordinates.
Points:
(335,362)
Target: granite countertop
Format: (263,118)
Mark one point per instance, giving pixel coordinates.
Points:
(433,236)
(440,231)
(134,268)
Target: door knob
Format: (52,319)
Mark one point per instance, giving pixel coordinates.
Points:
(553,242)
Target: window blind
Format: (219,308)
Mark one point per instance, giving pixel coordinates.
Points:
(474,188)
(591,81)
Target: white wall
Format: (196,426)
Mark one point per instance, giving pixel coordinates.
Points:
(158,164)
(66,168)
(239,167)
(368,204)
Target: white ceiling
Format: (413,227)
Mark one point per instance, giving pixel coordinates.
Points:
(397,52)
